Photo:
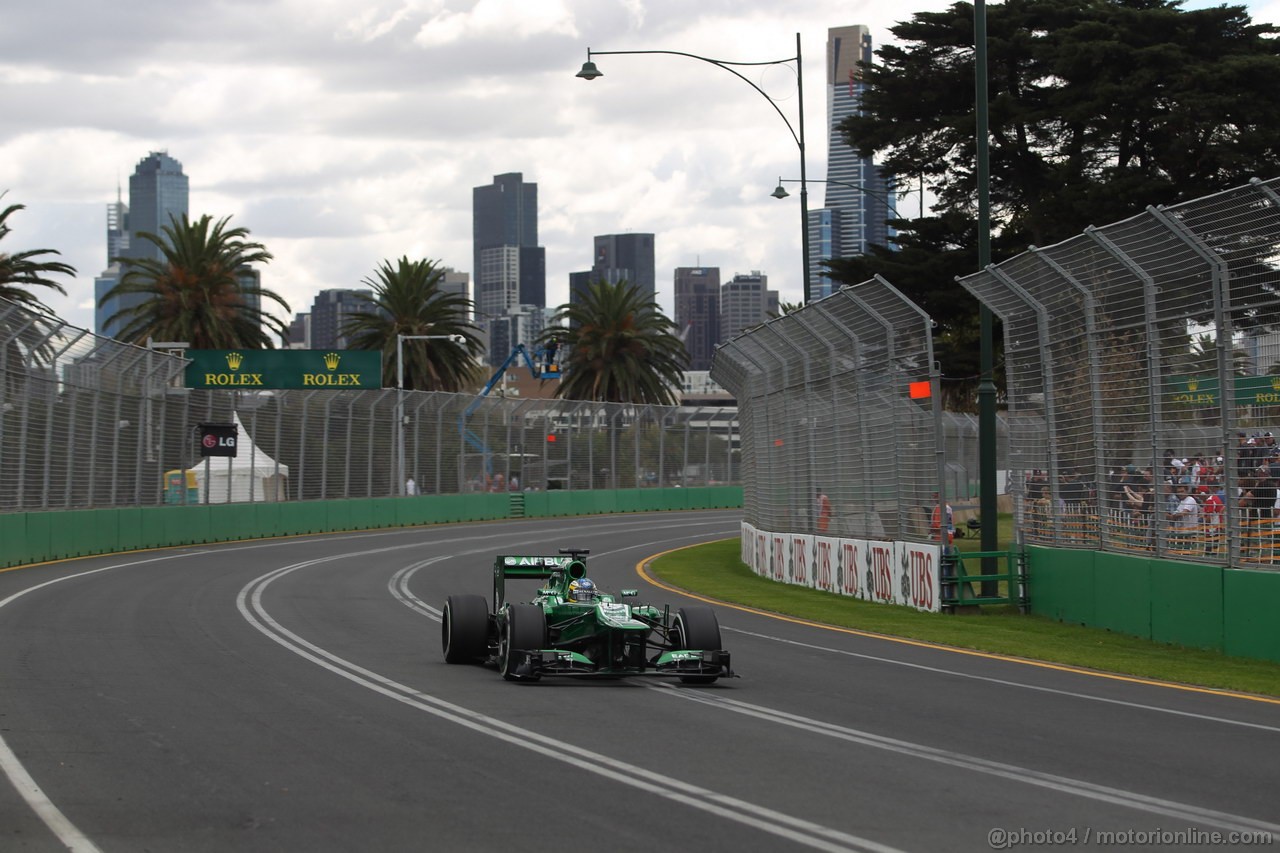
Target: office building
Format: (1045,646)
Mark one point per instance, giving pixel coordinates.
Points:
(858,194)
(329,314)
(510,268)
(625,257)
(457,284)
(158,189)
(697,313)
(299,335)
(522,324)
(744,303)
(505,218)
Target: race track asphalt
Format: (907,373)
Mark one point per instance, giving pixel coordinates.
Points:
(290,695)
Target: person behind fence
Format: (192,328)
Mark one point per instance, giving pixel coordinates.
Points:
(821,511)
(1134,495)
(1257,504)
(1211,509)
(1184,518)
(935,520)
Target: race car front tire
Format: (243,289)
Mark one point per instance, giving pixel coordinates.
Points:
(525,630)
(464,629)
(696,627)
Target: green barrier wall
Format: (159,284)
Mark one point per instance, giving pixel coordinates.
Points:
(36,537)
(1187,604)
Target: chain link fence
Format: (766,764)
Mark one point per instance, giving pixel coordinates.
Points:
(839,412)
(90,422)
(1143,367)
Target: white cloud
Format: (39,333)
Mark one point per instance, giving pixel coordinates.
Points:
(342,133)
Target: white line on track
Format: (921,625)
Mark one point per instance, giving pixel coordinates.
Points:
(776,823)
(34,796)
(400,589)
(1003,681)
(1062,784)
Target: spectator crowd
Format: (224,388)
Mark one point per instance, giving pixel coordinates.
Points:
(1188,512)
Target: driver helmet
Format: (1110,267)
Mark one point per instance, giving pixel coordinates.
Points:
(582,589)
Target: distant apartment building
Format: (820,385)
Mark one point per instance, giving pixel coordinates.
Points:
(329,314)
(521,324)
(299,335)
(745,302)
(697,313)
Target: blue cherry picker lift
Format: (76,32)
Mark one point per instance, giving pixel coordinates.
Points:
(543,364)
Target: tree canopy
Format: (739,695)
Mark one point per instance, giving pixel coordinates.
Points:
(200,290)
(21,270)
(622,348)
(1098,108)
(407,300)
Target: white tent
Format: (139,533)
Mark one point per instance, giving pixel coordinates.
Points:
(250,475)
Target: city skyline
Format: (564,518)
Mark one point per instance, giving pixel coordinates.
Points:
(360,136)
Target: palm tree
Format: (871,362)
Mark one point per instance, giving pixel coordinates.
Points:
(22,270)
(622,348)
(200,290)
(25,338)
(785,308)
(407,300)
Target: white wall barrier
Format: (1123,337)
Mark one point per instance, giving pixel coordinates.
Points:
(902,573)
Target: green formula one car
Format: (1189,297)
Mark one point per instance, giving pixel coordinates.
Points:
(571,628)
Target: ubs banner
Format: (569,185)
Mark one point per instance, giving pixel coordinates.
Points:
(904,573)
(310,369)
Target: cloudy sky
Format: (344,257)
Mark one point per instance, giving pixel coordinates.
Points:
(345,132)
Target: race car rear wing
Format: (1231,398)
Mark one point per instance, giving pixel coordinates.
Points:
(533,567)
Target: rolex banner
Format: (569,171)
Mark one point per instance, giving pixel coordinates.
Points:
(305,369)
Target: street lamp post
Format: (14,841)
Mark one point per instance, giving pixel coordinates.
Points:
(400,339)
(781,192)
(987,505)
(590,72)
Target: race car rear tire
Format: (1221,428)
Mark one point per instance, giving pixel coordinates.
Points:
(526,630)
(464,629)
(696,627)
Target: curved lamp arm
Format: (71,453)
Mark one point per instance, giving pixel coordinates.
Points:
(590,72)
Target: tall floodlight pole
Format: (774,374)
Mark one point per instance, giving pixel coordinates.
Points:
(987,503)
(590,72)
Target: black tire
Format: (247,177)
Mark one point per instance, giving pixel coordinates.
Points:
(696,627)
(464,629)
(526,629)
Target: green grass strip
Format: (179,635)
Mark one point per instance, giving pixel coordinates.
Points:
(715,570)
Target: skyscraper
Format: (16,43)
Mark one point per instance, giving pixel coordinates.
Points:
(697,310)
(505,217)
(117,244)
(625,257)
(851,219)
(510,268)
(158,190)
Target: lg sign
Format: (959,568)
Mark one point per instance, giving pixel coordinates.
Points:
(218,439)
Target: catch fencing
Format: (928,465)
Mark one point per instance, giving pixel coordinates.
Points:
(840,418)
(87,422)
(1143,370)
